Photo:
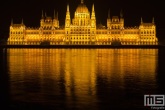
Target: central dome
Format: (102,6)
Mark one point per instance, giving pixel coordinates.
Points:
(82,8)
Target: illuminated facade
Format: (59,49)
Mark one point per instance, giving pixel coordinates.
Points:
(82,29)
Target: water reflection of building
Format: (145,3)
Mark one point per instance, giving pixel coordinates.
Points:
(126,74)
(81,77)
(79,67)
(82,29)
(68,73)
(123,61)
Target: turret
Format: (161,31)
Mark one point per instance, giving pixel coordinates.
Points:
(93,12)
(93,18)
(42,19)
(67,20)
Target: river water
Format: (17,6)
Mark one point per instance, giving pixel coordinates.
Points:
(80,79)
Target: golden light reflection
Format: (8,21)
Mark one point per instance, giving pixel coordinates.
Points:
(75,72)
(116,64)
(80,73)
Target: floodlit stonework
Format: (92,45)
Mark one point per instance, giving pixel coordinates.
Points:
(82,30)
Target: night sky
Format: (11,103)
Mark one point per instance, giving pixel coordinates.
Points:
(30,11)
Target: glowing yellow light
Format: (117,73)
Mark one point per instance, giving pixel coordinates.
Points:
(84,20)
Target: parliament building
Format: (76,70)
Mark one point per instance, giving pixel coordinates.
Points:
(83,30)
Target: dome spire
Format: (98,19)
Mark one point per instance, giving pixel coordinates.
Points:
(82,1)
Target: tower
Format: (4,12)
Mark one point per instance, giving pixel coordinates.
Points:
(42,19)
(67,19)
(93,18)
(93,25)
(67,24)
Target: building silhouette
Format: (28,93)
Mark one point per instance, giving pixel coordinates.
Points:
(83,30)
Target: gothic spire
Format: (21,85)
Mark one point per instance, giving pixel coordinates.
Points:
(68,8)
(67,12)
(93,8)
(93,12)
